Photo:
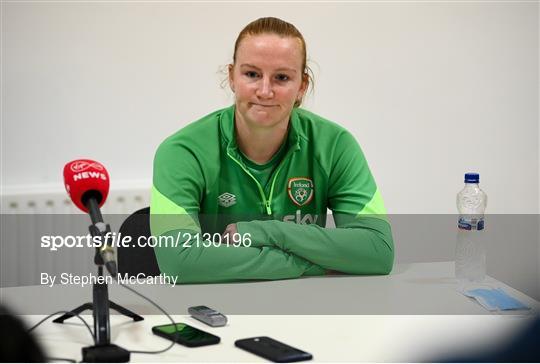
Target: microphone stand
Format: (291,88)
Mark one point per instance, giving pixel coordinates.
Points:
(103,351)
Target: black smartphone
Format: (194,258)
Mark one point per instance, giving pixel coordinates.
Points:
(185,335)
(272,350)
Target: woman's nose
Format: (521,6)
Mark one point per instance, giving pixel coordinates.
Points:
(265,88)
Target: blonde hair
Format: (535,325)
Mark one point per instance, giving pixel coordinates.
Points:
(281,28)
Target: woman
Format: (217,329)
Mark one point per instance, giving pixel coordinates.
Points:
(264,172)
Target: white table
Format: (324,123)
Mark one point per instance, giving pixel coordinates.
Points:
(370,338)
(414,314)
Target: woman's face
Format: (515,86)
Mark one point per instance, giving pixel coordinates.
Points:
(267,79)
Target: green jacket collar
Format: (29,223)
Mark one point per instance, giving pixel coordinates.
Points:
(228,133)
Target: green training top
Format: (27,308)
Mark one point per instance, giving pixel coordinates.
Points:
(202,183)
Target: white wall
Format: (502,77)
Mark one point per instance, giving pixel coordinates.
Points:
(431,90)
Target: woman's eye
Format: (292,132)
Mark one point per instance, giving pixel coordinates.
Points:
(251,74)
(282,77)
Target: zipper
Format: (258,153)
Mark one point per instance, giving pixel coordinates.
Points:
(274,181)
(261,191)
(267,202)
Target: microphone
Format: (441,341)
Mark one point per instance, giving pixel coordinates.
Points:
(87,184)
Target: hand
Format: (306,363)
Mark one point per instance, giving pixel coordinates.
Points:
(229,232)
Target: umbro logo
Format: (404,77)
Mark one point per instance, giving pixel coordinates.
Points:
(226,199)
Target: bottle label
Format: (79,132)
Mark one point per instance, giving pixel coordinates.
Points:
(471,223)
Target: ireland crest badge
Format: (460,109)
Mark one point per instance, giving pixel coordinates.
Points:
(300,190)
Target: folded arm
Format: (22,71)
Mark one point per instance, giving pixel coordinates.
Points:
(363,246)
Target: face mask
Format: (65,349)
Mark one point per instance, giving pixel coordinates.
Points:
(495,299)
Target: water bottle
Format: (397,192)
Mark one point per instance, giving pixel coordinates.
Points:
(470,247)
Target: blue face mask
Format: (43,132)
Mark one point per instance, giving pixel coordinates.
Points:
(495,299)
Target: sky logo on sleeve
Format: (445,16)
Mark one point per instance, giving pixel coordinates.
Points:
(300,190)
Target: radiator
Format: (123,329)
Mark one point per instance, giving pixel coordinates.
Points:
(26,213)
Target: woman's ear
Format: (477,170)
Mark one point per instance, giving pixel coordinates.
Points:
(230,68)
(303,89)
(305,84)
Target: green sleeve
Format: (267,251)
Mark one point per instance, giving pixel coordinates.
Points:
(362,241)
(363,247)
(178,187)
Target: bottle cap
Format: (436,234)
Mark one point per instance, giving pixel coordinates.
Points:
(472,178)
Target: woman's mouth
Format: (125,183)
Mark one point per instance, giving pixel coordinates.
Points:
(262,105)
